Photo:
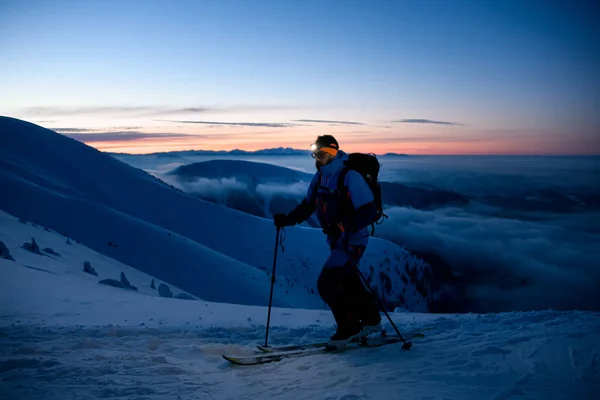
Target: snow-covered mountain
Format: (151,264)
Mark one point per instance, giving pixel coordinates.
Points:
(212,252)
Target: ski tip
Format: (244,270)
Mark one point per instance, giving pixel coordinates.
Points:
(251,360)
(230,359)
(235,360)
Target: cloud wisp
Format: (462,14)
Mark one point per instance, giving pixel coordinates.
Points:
(294,190)
(93,130)
(100,135)
(122,136)
(321,121)
(101,110)
(252,124)
(217,188)
(396,138)
(427,121)
(142,111)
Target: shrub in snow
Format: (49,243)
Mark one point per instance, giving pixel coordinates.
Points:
(112,282)
(152,284)
(184,296)
(4,253)
(68,241)
(164,290)
(51,251)
(87,267)
(126,283)
(32,247)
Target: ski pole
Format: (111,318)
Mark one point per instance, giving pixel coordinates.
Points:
(406,345)
(272,285)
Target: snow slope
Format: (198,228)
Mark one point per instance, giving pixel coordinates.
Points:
(212,252)
(64,336)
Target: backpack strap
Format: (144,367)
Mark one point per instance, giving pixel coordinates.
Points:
(340,185)
(343,190)
(313,198)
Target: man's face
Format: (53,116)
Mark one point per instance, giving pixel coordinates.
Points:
(322,158)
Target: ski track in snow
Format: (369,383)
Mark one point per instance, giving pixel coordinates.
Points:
(493,356)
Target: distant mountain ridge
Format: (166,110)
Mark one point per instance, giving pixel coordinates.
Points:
(275,151)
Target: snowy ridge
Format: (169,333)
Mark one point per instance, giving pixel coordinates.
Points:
(211,252)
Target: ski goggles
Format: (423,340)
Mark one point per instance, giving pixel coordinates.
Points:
(318,154)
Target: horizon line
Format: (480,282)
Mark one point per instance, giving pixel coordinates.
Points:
(250,152)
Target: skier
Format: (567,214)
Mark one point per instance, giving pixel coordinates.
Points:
(339,283)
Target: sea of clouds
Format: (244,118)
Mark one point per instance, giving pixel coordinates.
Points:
(504,259)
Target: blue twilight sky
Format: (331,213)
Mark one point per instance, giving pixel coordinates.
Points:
(407,76)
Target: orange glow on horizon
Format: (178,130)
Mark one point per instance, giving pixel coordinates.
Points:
(514,147)
(416,141)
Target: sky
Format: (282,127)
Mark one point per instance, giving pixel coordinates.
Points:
(415,77)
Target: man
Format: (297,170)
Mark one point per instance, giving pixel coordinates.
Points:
(345,222)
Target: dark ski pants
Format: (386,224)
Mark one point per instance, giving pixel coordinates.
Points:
(342,289)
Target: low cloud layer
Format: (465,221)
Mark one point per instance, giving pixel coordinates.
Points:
(216,188)
(426,121)
(508,257)
(295,190)
(507,264)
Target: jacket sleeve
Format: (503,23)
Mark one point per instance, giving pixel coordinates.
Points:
(362,200)
(305,209)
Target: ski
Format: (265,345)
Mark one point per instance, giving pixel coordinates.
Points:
(318,345)
(280,355)
(270,357)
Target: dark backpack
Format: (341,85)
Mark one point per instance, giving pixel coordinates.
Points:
(367,165)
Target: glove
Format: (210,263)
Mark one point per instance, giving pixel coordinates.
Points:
(282,220)
(334,231)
